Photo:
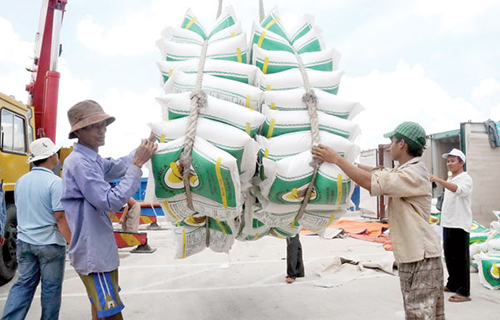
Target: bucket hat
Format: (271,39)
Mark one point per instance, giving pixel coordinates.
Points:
(456,153)
(42,149)
(412,132)
(84,114)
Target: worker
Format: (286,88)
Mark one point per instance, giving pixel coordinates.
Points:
(456,220)
(42,234)
(130,216)
(88,197)
(294,262)
(416,246)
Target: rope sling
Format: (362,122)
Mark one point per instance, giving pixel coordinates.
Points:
(311,100)
(199,101)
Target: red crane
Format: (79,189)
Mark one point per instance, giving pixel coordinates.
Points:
(44,86)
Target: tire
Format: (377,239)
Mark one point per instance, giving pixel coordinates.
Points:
(8,261)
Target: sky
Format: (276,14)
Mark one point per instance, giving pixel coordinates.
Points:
(436,62)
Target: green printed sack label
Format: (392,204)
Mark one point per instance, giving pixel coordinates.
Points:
(227,138)
(213,174)
(489,273)
(287,181)
(477,228)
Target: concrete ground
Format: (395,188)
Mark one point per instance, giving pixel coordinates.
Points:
(249,284)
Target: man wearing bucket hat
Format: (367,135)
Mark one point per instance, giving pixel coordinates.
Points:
(416,246)
(42,234)
(88,198)
(456,220)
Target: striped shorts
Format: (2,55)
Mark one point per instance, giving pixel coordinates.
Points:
(422,288)
(102,290)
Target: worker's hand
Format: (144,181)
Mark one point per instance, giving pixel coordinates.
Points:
(122,219)
(145,151)
(434,178)
(2,240)
(152,137)
(325,154)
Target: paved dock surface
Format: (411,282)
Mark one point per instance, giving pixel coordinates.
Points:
(250,284)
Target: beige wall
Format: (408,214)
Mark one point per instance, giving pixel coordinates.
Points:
(483,165)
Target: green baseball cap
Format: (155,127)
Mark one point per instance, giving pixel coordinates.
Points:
(412,132)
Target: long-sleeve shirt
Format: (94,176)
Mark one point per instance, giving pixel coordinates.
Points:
(409,190)
(87,199)
(457,206)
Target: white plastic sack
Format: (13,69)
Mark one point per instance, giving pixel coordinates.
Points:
(189,241)
(230,70)
(291,100)
(224,89)
(178,105)
(281,122)
(292,79)
(214,181)
(318,221)
(182,35)
(306,40)
(291,144)
(231,49)
(222,235)
(225,137)
(489,271)
(278,61)
(226,20)
(286,181)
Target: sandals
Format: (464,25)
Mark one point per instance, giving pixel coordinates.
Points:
(290,280)
(459,298)
(445,289)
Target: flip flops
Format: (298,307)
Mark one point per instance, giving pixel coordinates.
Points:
(290,280)
(459,298)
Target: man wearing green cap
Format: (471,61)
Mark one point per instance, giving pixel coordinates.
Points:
(416,246)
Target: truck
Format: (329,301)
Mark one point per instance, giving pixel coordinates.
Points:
(483,165)
(22,123)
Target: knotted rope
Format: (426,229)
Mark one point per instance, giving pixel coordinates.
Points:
(198,101)
(311,100)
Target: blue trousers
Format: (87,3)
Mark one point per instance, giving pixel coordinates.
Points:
(35,263)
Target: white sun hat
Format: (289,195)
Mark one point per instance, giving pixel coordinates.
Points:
(42,149)
(456,153)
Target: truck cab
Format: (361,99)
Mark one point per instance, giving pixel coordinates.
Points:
(16,133)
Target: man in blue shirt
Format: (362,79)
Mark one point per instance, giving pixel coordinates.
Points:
(42,234)
(88,198)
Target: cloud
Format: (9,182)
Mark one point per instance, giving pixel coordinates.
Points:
(487,96)
(457,15)
(133,111)
(406,94)
(71,91)
(131,33)
(14,77)
(14,59)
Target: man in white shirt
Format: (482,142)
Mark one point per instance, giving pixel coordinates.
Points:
(456,220)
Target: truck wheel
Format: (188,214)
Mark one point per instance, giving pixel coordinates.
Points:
(8,261)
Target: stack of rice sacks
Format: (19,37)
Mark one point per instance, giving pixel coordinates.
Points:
(224,154)
(285,137)
(485,252)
